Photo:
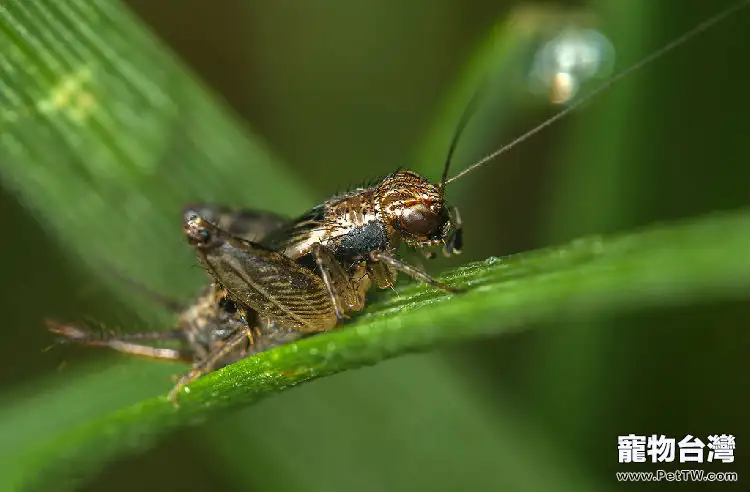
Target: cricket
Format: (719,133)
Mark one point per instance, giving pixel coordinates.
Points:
(274,280)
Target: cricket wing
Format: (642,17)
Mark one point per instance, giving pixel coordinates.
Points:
(251,225)
(295,238)
(269,282)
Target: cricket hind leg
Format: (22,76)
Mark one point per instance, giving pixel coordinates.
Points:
(212,360)
(270,335)
(124,343)
(265,336)
(411,271)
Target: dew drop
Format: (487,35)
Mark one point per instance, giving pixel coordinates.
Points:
(568,60)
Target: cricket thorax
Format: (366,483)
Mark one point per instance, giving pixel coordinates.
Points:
(355,226)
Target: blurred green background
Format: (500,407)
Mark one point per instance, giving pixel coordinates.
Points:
(345,91)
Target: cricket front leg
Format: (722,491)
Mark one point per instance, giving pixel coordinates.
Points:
(124,342)
(411,271)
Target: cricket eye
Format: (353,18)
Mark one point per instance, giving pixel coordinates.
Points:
(196,230)
(419,220)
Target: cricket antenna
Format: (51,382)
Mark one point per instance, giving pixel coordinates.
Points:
(466,115)
(680,40)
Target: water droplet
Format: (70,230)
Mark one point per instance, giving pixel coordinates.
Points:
(568,60)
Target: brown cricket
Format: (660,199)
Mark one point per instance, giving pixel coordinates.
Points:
(275,280)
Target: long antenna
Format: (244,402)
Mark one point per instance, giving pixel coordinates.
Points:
(466,115)
(699,29)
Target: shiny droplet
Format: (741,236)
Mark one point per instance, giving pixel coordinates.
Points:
(568,60)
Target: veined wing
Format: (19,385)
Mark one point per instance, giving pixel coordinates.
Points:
(295,238)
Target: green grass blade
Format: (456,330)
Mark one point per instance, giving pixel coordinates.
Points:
(433,417)
(700,261)
(105,137)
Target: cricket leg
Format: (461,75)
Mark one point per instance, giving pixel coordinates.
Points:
(276,340)
(381,274)
(411,271)
(269,335)
(124,342)
(343,295)
(212,359)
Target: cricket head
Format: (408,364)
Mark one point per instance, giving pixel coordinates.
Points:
(415,210)
(200,233)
